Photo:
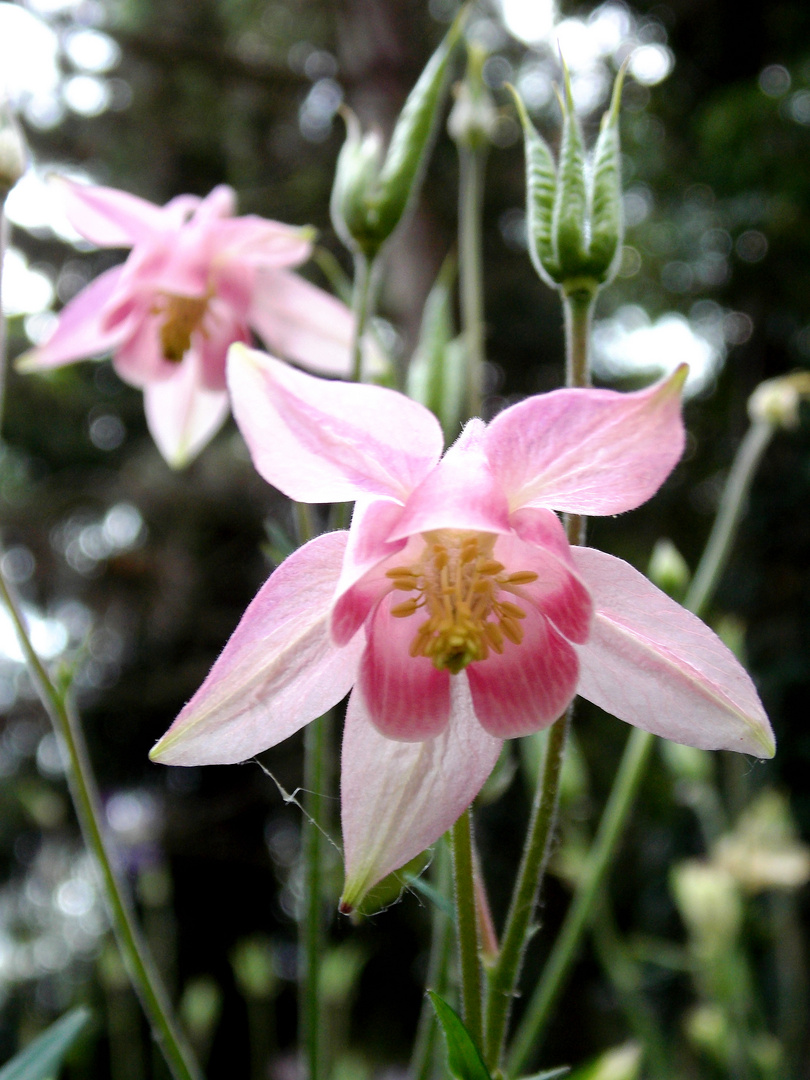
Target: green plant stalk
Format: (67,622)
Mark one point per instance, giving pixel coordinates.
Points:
(441,940)
(504,973)
(141,970)
(467,926)
(634,759)
(312,943)
(3,238)
(471,275)
(361,308)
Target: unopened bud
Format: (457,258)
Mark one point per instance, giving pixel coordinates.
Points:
(668,569)
(473,118)
(370,195)
(575,209)
(710,905)
(13,151)
(776,401)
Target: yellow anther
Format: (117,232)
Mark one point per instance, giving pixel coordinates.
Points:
(457,582)
(182,316)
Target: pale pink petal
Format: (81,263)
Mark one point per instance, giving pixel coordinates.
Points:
(459,493)
(220,328)
(399,798)
(406,697)
(321,441)
(298,321)
(527,687)
(260,243)
(652,663)
(588,451)
(80,333)
(182,415)
(178,210)
(139,359)
(278,671)
(219,203)
(107,217)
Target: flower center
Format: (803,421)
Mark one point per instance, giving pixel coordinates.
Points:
(458,581)
(182,315)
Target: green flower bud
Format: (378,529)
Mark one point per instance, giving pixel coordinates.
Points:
(574,212)
(370,195)
(776,401)
(13,151)
(473,118)
(668,569)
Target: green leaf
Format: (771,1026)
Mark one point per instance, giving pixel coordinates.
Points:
(606,192)
(541,186)
(550,1074)
(463,1057)
(41,1059)
(571,200)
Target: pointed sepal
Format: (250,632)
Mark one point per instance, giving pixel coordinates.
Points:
(464,1061)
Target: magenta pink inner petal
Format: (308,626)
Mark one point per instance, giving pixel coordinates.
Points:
(529,686)
(406,697)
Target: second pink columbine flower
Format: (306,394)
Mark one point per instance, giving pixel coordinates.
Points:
(197,280)
(454,609)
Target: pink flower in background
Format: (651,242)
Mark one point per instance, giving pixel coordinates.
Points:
(196,280)
(454,609)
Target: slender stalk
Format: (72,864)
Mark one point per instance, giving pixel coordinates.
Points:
(634,760)
(3,239)
(504,973)
(467,924)
(310,1005)
(142,972)
(471,276)
(441,940)
(361,307)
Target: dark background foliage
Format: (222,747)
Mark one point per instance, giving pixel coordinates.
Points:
(226,91)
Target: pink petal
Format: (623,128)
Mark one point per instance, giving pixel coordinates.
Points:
(80,333)
(459,493)
(398,798)
(183,416)
(110,218)
(278,671)
(260,243)
(539,544)
(657,666)
(530,685)
(303,323)
(362,579)
(139,360)
(321,441)
(406,697)
(588,451)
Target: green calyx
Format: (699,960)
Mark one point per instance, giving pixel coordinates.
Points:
(574,209)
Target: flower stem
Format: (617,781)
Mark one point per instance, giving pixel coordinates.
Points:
(361,307)
(504,972)
(467,923)
(311,1012)
(142,973)
(634,759)
(441,939)
(471,278)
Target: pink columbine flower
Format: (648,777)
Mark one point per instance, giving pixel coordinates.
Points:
(196,280)
(454,606)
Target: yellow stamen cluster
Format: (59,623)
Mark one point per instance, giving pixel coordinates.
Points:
(458,581)
(182,315)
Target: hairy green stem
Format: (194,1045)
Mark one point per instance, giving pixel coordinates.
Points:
(467,926)
(634,760)
(441,940)
(505,971)
(471,276)
(310,1004)
(142,973)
